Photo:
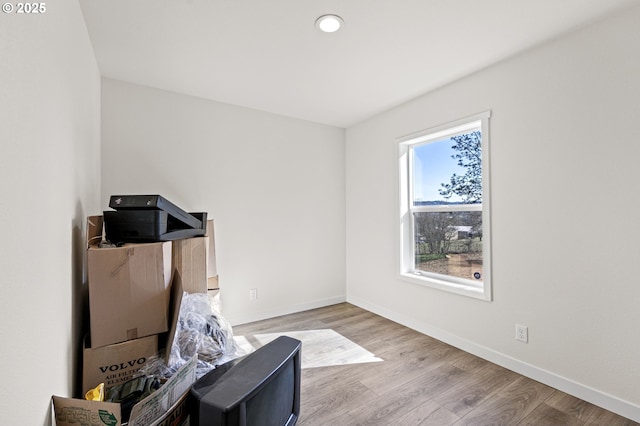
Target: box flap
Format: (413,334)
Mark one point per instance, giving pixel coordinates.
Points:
(80,412)
(189,256)
(212,269)
(94,230)
(117,363)
(153,407)
(174,312)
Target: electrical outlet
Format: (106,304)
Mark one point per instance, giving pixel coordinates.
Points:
(253,294)
(522,333)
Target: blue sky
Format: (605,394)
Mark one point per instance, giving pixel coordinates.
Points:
(433,166)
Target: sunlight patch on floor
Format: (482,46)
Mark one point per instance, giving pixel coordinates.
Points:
(320,348)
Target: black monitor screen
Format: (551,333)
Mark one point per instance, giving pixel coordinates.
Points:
(273,405)
(262,389)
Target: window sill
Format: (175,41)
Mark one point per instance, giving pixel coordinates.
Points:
(474,291)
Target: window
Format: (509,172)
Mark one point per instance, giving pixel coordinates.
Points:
(444,207)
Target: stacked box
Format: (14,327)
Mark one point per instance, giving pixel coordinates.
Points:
(135,291)
(130,289)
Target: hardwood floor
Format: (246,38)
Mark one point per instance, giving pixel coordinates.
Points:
(421,381)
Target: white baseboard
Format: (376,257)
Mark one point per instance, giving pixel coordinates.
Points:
(283,310)
(586,393)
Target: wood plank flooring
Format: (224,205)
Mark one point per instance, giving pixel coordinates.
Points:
(422,381)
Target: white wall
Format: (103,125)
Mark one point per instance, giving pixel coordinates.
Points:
(273,185)
(50,180)
(564,153)
(564,143)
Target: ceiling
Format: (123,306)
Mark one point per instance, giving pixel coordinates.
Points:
(268,55)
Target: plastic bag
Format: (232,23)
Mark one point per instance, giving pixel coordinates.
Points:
(199,332)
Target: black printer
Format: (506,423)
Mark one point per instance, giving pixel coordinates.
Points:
(150,218)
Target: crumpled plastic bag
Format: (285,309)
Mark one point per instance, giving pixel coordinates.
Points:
(200,332)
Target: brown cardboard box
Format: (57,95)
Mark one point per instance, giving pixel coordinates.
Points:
(213,284)
(212,269)
(165,407)
(178,414)
(195,259)
(128,288)
(117,363)
(79,412)
(189,258)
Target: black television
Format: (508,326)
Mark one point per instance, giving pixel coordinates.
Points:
(260,389)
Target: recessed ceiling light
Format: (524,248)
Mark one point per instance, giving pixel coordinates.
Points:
(329,23)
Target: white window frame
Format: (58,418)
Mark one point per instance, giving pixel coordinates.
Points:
(480,290)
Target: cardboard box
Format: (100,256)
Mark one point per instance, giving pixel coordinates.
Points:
(128,288)
(160,405)
(189,258)
(117,363)
(212,269)
(165,407)
(195,260)
(79,412)
(178,414)
(212,283)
